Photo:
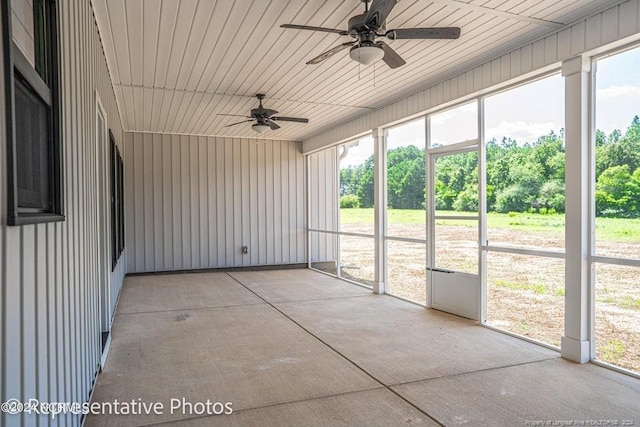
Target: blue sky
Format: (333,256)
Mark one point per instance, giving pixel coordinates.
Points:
(618,90)
(526,112)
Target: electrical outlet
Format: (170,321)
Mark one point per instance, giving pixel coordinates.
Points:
(245,249)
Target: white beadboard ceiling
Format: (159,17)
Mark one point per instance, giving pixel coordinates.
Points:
(176,64)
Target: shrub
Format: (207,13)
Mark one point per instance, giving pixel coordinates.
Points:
(552,195)
(467,200)
(514,198)
(556,203)
(349,201)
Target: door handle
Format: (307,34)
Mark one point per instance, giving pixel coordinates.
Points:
(441,270)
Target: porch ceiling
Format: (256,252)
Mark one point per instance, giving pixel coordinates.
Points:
(176,64)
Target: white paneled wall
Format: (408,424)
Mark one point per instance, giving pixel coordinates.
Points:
(193,202)
(323,201)
(322,190)
(49,305)
(615,26)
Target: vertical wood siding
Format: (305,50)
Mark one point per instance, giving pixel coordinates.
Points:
(613,27)
(323,204)
(192,202)
(49,306)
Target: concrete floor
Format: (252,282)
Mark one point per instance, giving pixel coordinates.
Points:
(296,347)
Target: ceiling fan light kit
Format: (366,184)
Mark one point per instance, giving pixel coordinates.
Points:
(260,128)
(264,118)
(366,54)
(370,25)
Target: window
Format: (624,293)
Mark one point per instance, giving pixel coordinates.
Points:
(455,125)
(525,194)
(615,186)
(117,203)
(33,133)
(406,215)
(355,160)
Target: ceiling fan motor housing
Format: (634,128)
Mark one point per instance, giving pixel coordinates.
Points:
(357,27)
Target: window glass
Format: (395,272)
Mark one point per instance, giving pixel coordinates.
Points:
(324,252)
(616,185)
(406,215)
(456,184)
(524,132)
(406,270)
(357,259)
(455,125)
(456,245)
(617,154)
(617,315)
(525,295)
(356,186)
(32,149)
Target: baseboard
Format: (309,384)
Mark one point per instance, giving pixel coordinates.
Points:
(224,269)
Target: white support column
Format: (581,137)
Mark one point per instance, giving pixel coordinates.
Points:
(429,201)
(576,340)
(380,208)
(307,174)
(482,214)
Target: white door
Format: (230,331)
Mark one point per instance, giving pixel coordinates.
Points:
(453,281)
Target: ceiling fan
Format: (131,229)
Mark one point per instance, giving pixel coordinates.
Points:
(367,27)
(264,118)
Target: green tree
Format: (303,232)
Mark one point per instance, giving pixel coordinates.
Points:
(405,178)
(519,176)
(365,184)
(617,193)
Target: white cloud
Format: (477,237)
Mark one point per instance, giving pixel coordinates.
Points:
(619,94)
(466,110)
(520,131)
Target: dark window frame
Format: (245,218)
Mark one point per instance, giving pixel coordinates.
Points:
(117,201)
(18,68)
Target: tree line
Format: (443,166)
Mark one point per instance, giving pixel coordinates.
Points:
(520,177)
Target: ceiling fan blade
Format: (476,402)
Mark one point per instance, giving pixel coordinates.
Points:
(330,53)
(272,124)
(269,112)
(233,124)
(378,13)
(323,29)
(233,115)
(290,119)
(423,33)
(391,57)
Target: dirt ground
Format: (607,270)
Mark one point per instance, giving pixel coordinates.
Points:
(525,294)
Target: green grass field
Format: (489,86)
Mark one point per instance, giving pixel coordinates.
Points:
(609,229)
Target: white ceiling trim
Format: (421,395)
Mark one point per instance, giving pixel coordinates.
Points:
(200,135)
(267,99)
